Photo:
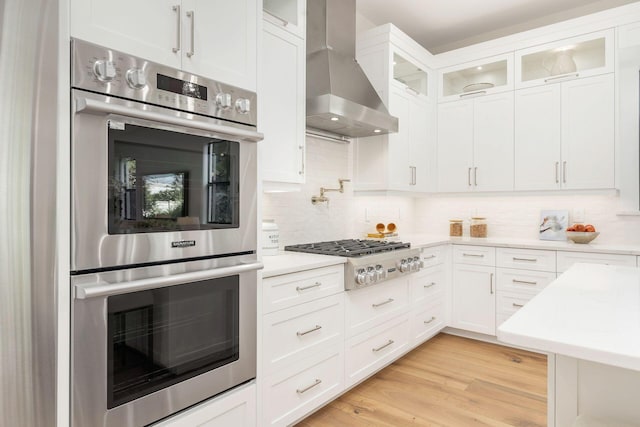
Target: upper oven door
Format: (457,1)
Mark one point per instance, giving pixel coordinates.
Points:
(150,184)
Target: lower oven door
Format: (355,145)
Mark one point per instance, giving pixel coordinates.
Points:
(147,346)
(154,185)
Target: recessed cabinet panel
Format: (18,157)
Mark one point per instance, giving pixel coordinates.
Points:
(455,146)
(474,299)
(400,174)
(577,57)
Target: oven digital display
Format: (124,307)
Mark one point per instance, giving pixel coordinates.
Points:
(182,87)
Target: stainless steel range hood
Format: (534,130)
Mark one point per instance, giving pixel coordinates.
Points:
(340,98)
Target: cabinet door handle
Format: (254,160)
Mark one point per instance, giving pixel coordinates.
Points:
(284,22)
(316,328)
(469,177)
(191,14)
(178,46)
(563,76)
(375,350)
(304,288)
(525,282)
(430,285)
(475,176)
(517,305)
(415,175)
(474,255)
(301,148)
(380,304)
(564,172)
(557,176)
(491,283)
(525,259)
(426,322)
(307,388)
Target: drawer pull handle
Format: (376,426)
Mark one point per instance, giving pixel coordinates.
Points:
(304,288)
(430,285)
(380,304)
(306,389)
(525,259)
(518,305)
(426,322)
(429,257)
(317,328)
(375,350)
(525,282)
(474,255)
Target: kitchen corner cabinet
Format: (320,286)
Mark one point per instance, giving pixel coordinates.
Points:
(565,135)
(283,122)
(192,35)
(475,144)
(398,69)
(473,289)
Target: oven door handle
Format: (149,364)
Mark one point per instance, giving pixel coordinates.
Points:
(92,106)
(105,289)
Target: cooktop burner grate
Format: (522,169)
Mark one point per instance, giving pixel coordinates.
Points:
(348,248)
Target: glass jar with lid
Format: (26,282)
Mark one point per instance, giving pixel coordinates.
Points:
(478,227)
(455,227)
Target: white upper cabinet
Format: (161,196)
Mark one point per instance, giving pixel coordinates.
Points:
(565,135)
(213,38)
(477,78)
(566,59)
(289,14)
(283,122)
(397,67)
(475,144)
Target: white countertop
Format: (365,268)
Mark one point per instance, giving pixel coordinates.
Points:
(290,262)
(591,312)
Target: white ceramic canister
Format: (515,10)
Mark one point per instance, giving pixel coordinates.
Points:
(270,237)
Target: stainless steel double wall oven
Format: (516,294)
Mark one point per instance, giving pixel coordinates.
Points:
(164,236)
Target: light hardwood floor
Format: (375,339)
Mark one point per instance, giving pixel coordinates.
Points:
(448,381)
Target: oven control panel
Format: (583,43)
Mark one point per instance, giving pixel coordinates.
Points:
(371,269)
(110,72)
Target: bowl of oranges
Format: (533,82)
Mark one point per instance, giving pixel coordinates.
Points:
(582,233)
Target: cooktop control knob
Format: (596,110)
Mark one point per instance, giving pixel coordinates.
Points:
(380,273)
(223,101)
(417,262)
(243,106)
(105,71)
(371,275)
(403,266)
(361,277)
(136,78)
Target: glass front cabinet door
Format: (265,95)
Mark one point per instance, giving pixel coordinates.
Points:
(477,78)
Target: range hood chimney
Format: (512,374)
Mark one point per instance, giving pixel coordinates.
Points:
(340,98)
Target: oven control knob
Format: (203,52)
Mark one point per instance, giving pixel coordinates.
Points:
(361,277)
(223,101)
(105,71)
(380,273)
(403,266)
(243,105)
(371,275)
(136,78)
(417,262)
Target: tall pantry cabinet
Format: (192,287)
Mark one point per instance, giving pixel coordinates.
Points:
(398,68)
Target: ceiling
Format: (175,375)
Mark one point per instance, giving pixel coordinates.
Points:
(442,25)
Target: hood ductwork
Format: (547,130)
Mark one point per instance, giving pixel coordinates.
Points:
(337,88)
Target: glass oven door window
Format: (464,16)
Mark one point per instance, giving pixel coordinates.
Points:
(161,180)
(160,337)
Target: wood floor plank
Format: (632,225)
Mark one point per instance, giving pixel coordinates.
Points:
(449,381)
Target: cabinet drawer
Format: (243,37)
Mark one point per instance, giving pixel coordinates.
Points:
(427,321)
(369,307)
(373,350)
(427,284)
(300,331)
(510,302)
(433,256)
(530,282)
(300,388)
(476,255)
(567,259)
(291,289)
(526,259)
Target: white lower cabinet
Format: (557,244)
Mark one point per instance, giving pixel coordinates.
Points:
(235,408)
(301,387)
(567,259)
(427,321)
(474,299)
(374,349)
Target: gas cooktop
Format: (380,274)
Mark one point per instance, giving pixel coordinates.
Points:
(348,247)
(369,261)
